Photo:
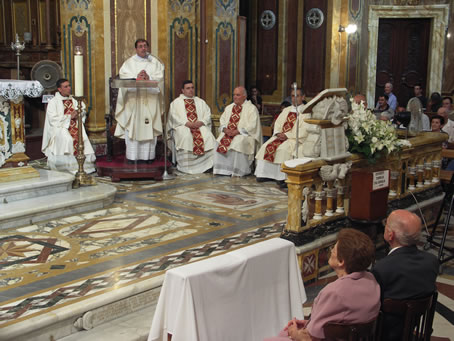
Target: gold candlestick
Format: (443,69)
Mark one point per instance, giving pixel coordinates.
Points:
(82,178)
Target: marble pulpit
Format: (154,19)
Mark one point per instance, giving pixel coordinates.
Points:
(13,160)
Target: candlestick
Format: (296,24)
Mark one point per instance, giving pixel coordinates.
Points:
(78,71)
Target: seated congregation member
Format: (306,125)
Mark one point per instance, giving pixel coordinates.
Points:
(406,272)
(436,123)
(61,132)
(383,111)
(241,134)
(353,298)
(281,146)
(190,125)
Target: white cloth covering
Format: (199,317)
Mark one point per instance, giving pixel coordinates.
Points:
(246,294)
(57,141)
(265,169)
(138,111)
(246,143)
(140,150)
(286,150)
(187,162)
(449,129)
(232,163)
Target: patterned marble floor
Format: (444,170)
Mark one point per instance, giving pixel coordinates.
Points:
(151,227)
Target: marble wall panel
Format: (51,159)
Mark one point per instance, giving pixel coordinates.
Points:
(183,45)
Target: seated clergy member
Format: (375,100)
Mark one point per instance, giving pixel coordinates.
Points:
(281,147)
(61,132)
(241,133)
(190,122)
(354,297)
(406,272)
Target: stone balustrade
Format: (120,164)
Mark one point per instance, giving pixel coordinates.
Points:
(413,170)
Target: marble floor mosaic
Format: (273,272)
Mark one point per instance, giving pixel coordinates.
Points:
(151,227)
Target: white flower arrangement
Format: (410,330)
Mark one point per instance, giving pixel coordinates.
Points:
(371,137)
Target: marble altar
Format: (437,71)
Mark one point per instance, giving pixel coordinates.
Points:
(12,125)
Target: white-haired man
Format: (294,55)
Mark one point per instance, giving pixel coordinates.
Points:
(392,100)
(241,135)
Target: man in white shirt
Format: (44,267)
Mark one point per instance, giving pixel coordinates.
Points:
(241,135)
(138,111)
(392,100)
(190,125)
(61,132)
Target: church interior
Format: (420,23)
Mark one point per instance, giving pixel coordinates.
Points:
(85,257)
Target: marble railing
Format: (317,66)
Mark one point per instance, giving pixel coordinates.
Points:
(413,169)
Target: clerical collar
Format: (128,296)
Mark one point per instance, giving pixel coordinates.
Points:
(62,97)
(186,97)
(141,58)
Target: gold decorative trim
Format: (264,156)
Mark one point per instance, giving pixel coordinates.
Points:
(17,173)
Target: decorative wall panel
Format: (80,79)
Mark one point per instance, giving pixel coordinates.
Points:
(267,45)
(224,52)
(82,24)
(183,41)
(314,50)
(78,33)
(129,19)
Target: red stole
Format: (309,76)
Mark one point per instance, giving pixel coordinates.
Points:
(73,130)
(197,138)
(233,123)
(271,148)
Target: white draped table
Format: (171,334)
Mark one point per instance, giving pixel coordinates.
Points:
(12,125)
(247,294)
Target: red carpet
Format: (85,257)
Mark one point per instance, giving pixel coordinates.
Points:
(119,168)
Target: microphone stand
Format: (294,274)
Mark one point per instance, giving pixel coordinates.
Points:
(295,87)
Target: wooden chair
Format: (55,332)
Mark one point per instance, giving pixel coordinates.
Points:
(416,315)
(350,332)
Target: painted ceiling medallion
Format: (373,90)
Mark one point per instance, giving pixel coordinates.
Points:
(268,19)
(315,18)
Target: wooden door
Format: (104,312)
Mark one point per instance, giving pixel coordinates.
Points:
(403,48)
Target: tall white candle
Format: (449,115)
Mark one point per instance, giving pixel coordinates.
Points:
(78,72)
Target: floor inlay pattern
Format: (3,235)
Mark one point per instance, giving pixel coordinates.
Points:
(151,227)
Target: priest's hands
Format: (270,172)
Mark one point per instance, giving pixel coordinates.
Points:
(73,114)
(281,136)
(231,132)
(194,125)
(143,76)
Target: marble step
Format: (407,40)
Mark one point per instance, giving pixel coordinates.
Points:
(51,206)
(123,314)
(48,182)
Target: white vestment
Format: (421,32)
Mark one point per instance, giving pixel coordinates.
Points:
(286,150)
(240,155)
(57,141)
(138,111)
(187,162)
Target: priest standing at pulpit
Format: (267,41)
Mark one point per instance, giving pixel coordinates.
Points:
(60,135)
(138,110)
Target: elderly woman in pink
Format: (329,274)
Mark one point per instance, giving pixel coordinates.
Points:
(353,298)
